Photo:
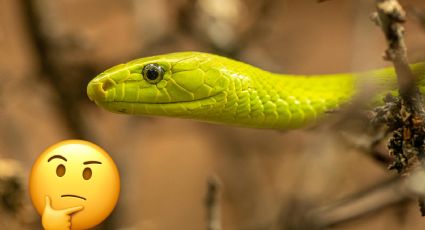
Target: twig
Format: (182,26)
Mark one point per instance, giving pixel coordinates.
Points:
(369,145)
(358,205)
(404,116)
(212,203)
(388,193)
(391,17)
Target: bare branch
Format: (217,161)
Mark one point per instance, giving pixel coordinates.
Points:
(406,116)
(391,17)
(388,193)
(212,203)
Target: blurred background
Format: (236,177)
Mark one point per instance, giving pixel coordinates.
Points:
(266,179)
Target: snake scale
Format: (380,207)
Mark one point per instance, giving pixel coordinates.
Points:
(216,89)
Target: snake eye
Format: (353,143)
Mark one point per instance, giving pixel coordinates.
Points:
(153,73)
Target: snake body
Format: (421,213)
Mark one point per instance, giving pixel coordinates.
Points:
(216,89)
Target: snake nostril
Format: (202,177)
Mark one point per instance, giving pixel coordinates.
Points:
(97,89)
(107,84)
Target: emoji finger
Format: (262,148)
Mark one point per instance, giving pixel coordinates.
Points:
(72,210)
(47,202)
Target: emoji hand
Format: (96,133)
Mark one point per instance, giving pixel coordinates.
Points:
(53,219)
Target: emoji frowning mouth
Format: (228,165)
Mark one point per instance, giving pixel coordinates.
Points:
(70,195)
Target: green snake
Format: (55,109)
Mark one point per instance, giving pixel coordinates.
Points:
(216,89)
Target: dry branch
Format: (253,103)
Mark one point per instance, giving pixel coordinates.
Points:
(391,17)
(388,193)
(212,203)
(405,115)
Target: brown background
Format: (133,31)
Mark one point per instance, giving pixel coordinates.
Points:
(165,163)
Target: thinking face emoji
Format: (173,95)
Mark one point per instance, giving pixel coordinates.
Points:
(74,184)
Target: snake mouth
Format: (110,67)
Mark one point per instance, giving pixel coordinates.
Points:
(97,93)
(169,103)
(212,99)
(71,195)
(163,108)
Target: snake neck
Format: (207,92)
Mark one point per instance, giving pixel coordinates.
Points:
(261,99)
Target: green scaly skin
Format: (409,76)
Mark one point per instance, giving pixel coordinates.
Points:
(216,89)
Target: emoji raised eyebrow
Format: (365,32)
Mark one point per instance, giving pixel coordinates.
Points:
(92,162)
(56,156)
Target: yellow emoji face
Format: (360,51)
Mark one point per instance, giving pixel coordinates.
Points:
(76,179)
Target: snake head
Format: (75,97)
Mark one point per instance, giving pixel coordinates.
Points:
(173,84)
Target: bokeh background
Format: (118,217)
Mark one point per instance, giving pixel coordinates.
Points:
(267,179)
